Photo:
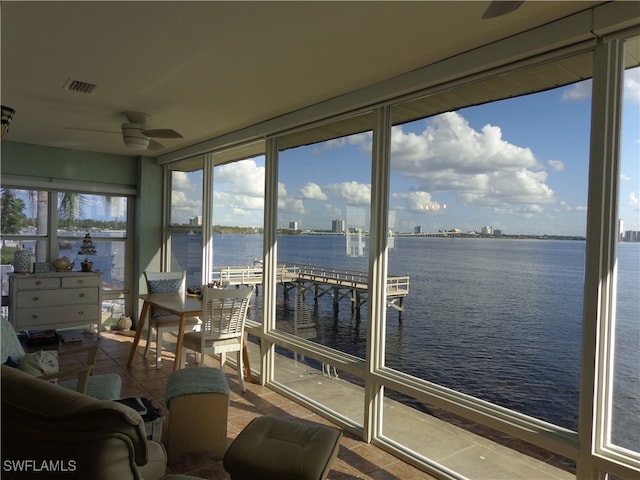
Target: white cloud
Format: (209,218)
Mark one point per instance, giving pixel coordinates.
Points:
(556,165)
(312,191)
(632,85)
(578,91)
(244,177)
(478,167)
(419,202)
(353,193)
(180,181)
(288,204)
(634,201)
(624,177)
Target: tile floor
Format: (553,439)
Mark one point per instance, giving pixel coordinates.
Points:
(356,459)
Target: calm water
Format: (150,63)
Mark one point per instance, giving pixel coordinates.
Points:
(498,319)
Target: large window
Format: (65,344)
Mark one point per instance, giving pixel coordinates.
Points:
(487,211)
(52,223)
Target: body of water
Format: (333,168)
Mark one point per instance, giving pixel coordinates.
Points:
(499,319)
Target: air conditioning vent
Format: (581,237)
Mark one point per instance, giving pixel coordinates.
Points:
(79,87)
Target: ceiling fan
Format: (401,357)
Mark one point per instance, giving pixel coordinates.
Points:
(135,134)
(500,7)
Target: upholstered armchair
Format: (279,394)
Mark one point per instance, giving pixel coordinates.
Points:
(79,378)
(53,432)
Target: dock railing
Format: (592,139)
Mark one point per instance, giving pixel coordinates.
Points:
(344,278)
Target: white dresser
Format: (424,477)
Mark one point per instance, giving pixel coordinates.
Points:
(55,300)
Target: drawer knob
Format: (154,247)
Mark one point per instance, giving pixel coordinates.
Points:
(81,312)
(35,299)
(81,295)
(34,316)
(38,282)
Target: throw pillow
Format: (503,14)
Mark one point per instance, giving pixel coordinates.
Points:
(42,362)
(172,285)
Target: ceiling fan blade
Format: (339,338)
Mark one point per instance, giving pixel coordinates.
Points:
(92,130)
(162,133)
(498,8)
(154,145)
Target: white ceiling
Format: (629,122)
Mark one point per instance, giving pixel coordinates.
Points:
(208,68)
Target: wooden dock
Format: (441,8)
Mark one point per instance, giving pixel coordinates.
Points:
(335,282)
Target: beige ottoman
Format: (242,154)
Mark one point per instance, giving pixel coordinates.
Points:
(198,403)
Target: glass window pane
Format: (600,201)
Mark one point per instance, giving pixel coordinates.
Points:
(24,222)
(471,450)
(104,218)
(321,383)
(625,421)
(185,224)
(487,209)
(324,197)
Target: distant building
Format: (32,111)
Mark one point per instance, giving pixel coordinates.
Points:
(631,236)
(338,226)
(621,231)
(487,230)
(497,232)
(417,229)
(293,225)
(197,220)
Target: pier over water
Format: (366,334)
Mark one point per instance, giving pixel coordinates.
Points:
(335,282)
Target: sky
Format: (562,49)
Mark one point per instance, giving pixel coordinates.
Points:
(519,165)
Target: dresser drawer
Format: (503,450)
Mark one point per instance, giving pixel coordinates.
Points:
(51,298)
(81,281)
(33,283)
(27,318)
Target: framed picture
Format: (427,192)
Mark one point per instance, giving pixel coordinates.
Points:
(41,267)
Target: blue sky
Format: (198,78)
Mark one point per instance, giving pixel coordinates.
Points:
(520,165)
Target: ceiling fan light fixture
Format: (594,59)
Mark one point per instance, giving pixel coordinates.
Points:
(134,137)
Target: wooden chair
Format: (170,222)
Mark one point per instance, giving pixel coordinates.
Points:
(160,320)
(224,312)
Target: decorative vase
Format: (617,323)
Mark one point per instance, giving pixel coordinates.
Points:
(22,261)
(86,266)
(124,323)
(62,265)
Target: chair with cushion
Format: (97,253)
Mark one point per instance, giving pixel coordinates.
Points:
(160,320)
(53,432)
(44,365)
(224,312)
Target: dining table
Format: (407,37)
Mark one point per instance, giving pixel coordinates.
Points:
(183,305)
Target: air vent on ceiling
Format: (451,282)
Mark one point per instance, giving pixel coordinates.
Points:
(79,87)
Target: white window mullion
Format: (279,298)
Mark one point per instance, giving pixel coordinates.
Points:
(374,391)
(600,274)
(207,219)
(270,259)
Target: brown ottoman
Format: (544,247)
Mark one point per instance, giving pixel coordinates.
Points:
(272,448)
(198,403)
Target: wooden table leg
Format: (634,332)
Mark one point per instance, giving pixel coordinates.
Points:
(176,365)
(139,328)
(245,361)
